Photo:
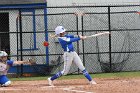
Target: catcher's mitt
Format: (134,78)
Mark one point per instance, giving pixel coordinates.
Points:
(32,61)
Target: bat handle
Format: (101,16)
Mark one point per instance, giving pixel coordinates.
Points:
(53,36)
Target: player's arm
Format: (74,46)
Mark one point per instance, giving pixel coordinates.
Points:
(29,61)
(21,62)
(66,40)
(75,39)
(71,36)
(76,36)
(70,40)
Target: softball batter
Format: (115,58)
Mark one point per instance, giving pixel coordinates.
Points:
(4,67)
(70,55)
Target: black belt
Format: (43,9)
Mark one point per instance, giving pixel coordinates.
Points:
(69,51)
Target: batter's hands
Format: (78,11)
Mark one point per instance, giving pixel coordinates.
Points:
(82,37)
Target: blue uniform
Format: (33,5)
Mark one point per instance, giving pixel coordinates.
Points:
(3,73)
(70,56)
(66,42)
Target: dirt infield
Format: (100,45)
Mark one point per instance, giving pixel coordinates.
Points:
(107,85)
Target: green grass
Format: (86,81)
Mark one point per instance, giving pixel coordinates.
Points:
(81,76)
(118,75)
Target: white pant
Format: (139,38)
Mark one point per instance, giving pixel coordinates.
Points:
(70,57)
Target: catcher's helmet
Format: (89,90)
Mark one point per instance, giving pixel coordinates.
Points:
(3,53)
(59,29)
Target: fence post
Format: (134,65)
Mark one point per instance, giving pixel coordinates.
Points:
(83,42)
(21,48)
(77,32)
(46,34)
(109,29)
(17,36)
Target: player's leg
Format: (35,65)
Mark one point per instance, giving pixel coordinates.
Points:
(79,63)
(4,81)
(67,63)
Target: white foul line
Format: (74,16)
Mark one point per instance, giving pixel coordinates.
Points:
(72,90)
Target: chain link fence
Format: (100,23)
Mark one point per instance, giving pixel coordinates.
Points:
(29,28)
(110,53)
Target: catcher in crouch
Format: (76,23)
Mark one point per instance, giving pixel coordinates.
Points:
(4,67)
(70,55)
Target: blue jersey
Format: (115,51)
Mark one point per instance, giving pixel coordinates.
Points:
(66,42)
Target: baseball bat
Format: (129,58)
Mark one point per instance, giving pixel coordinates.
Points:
(95,35)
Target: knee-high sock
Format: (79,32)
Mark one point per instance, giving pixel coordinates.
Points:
(86,74)
(59,74)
